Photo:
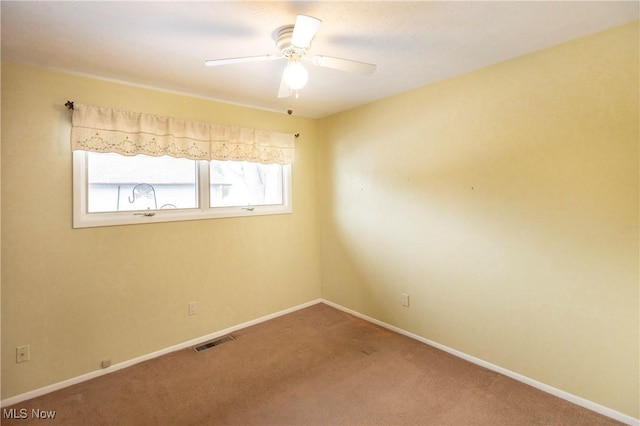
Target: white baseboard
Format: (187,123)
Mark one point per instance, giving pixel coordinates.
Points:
(531,382)
(585,403)
(194,342)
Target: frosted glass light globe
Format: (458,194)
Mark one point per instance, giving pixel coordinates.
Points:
(295,75)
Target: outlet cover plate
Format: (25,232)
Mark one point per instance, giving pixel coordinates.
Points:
(405,299)
(23,353)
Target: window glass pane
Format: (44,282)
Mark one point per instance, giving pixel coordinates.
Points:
(241,183)
(119,183)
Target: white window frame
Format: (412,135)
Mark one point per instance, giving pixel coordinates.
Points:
(83,219)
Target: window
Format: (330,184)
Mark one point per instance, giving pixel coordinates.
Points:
(117,183)
(136,168)
(242,183)
(113,189)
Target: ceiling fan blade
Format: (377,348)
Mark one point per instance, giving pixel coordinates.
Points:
(228,61)
(304,30)
(343,64)
(284,91)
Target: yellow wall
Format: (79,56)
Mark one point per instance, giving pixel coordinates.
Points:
(505,203)
(80,296)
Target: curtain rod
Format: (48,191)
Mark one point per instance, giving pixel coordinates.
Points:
(69,105)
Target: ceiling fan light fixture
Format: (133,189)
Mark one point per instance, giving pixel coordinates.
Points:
(295,75)
(293,43)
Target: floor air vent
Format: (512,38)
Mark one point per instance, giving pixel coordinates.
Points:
(213,343)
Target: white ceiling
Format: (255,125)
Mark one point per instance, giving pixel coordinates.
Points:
(164,44)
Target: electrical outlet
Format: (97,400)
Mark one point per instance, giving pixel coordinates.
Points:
(23,353)
(192,308)
(405,299)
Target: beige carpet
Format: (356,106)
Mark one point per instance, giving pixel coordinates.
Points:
(317,366)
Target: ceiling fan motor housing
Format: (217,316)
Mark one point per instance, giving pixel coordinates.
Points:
(283,43)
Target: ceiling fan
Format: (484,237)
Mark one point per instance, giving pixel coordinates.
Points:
(293,43)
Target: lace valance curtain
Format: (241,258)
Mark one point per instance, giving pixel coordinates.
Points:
(101,129)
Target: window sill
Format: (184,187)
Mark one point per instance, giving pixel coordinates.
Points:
(89,220)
